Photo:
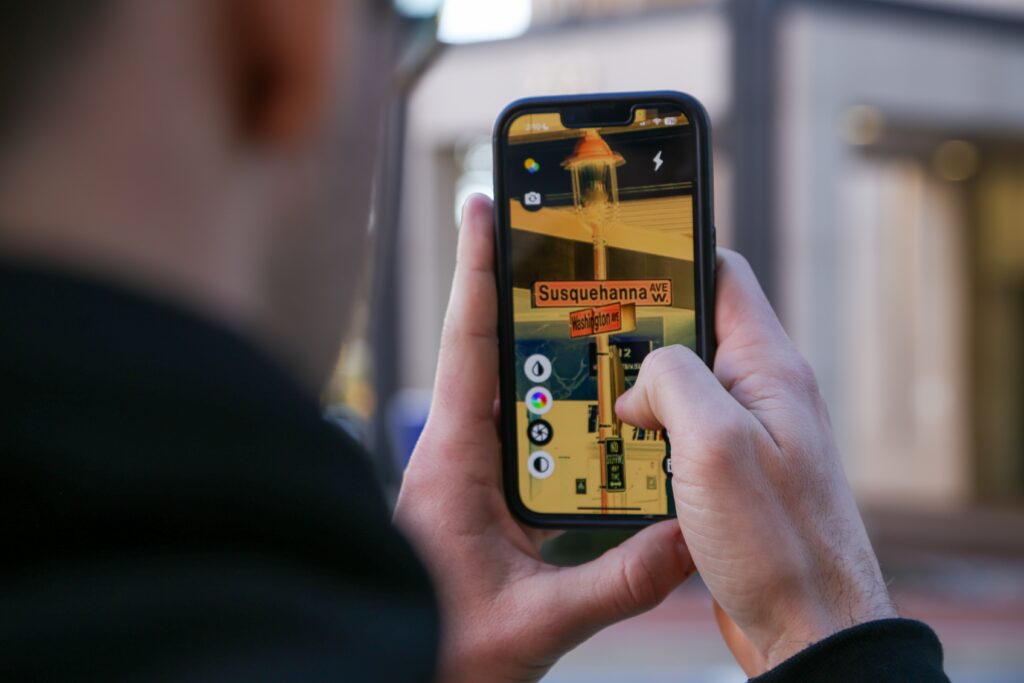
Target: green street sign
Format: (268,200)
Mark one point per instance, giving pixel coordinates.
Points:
(615,464)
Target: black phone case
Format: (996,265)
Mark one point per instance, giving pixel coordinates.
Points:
(704,265)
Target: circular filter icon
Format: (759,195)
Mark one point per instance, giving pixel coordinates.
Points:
(541,465)
(537,368)
(539,432)
(538,400)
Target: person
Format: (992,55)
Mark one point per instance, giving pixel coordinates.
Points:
(184,190)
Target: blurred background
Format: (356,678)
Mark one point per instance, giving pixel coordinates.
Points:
(869,162)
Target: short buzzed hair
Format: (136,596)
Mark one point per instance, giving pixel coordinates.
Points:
(34,35)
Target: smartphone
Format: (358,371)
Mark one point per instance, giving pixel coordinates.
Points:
(605,251)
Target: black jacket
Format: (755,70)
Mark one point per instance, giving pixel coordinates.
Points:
(174,509)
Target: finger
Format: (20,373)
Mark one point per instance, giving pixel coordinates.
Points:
(750,336)
(675,390)
(467,371)
(746,655)
(627,580)
(741,307)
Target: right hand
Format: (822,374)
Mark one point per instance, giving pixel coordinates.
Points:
(759,489)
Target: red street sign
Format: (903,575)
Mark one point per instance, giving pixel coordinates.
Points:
(602,320)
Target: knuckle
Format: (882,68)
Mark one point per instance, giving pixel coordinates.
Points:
(647,368)
(665,370)
(726,435)
(664,360)
(639,589)
(798,374)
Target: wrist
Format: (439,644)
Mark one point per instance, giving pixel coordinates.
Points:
(463,660)
(450,672)
(805,627)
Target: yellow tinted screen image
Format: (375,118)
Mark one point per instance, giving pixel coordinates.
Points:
(602,274)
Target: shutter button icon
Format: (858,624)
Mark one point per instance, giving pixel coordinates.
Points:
(540,432)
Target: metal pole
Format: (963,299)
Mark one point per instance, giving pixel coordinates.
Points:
(604,370)
(753,136)
(421,48)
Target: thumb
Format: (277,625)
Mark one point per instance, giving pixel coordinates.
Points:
(629,579)
(462,408)
(677,391)
(469,341)
(751,340)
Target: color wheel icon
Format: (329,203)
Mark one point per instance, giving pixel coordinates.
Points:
(538,400)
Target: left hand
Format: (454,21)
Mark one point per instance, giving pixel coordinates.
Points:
(507,615)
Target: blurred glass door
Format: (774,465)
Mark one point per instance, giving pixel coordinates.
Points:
(998,323)
(933,286)
(904,351)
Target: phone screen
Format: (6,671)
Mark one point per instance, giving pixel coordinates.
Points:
(602,269)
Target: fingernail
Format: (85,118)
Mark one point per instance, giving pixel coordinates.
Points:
(462,216)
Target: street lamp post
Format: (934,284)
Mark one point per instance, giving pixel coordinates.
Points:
(595,194)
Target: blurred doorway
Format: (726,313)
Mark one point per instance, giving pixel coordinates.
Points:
(933,285)
(997,213)
(904,284)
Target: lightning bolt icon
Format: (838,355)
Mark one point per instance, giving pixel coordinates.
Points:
(657,161)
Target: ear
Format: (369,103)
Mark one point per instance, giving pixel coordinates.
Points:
(280,66)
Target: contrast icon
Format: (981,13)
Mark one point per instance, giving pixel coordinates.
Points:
(538,400)
(540,432)
(541,465)
(531,165)
(537,368)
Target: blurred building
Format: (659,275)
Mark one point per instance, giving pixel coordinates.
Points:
(868,161)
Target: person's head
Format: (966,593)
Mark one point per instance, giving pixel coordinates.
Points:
(216,152)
